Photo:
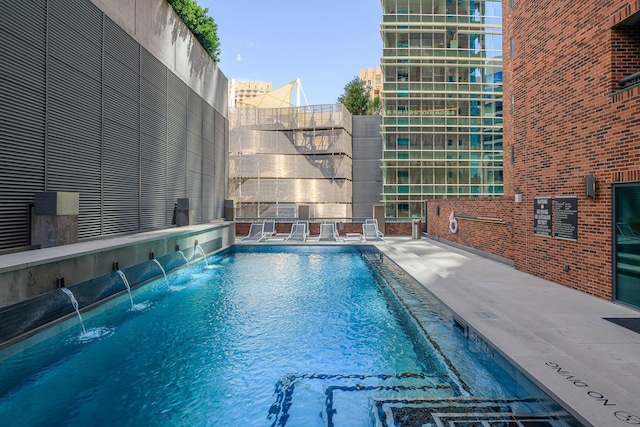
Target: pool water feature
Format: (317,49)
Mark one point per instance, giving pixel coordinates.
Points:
(311,336)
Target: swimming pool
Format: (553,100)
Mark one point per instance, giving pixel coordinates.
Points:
(269,336)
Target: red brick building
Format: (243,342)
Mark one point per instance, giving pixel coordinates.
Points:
(571,210)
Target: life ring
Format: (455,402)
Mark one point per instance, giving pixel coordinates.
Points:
(453,224)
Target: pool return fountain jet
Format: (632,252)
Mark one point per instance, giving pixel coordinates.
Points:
(183,256)
(74,303)
(164,273)
(126,284)
(198,247)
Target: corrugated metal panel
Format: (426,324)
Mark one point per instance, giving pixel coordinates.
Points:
(80,24)
(120,45)
(121,178)
(367,171)
(208,165)
(177,140)
(286,166)
(220,163)
(119,133)
(121,137)
(194,152)
(154,209)
(154,163)
(75,107)
(293,191)
(22,115)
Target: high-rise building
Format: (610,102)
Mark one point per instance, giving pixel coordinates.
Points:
(372,78)
(441,101)
(240,90)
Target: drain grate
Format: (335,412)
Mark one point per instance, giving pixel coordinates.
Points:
(464,412)
(486,314)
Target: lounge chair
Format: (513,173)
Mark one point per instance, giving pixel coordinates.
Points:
(375,222)
(255,233)
(328,232)
(371,233)
(298,233)
(268,228)
(306,224)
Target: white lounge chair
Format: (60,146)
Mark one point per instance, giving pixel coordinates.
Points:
(268,228)
(371,233)
(255,233)
(298,233)
(328,232)
(375,222)
(306,224)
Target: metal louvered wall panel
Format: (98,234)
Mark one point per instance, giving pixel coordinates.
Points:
(155,212)
(208,156)
(22,115)
(84,108)
(177,139)
(220,161)
(194,152)
(75,107)
(121,121)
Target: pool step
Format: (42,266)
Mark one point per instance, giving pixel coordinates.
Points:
(341,398)
(462,411)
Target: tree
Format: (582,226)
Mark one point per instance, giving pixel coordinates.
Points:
(375,107)
(355,97)
(201,25)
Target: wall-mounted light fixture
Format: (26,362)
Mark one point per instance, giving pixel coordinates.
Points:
(518,198)
(590,186)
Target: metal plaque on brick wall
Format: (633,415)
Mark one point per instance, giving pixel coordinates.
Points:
(542,216)
(565,217)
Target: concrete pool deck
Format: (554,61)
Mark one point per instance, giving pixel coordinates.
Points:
(556,335)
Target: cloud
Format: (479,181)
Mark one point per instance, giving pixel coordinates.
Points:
(238,57)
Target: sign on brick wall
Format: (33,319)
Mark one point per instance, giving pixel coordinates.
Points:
(542,216)
(565,217)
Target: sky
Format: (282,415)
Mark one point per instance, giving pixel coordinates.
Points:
(325,43)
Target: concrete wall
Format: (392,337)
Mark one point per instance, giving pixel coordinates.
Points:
(155,25)
(27,274)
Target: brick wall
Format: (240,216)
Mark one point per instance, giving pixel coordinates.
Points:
(484,224)
(569,119)
(567,123)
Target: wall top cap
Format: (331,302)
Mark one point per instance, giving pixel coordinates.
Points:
(56,203)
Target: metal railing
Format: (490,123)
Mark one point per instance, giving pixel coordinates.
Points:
(630,81)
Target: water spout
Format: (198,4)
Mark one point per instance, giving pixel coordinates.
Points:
(206,263)
(126,284)
(74,303)
(160,265)
(185,258)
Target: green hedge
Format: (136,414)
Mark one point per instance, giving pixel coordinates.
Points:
(200,24)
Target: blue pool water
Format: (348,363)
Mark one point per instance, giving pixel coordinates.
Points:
(263,338)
